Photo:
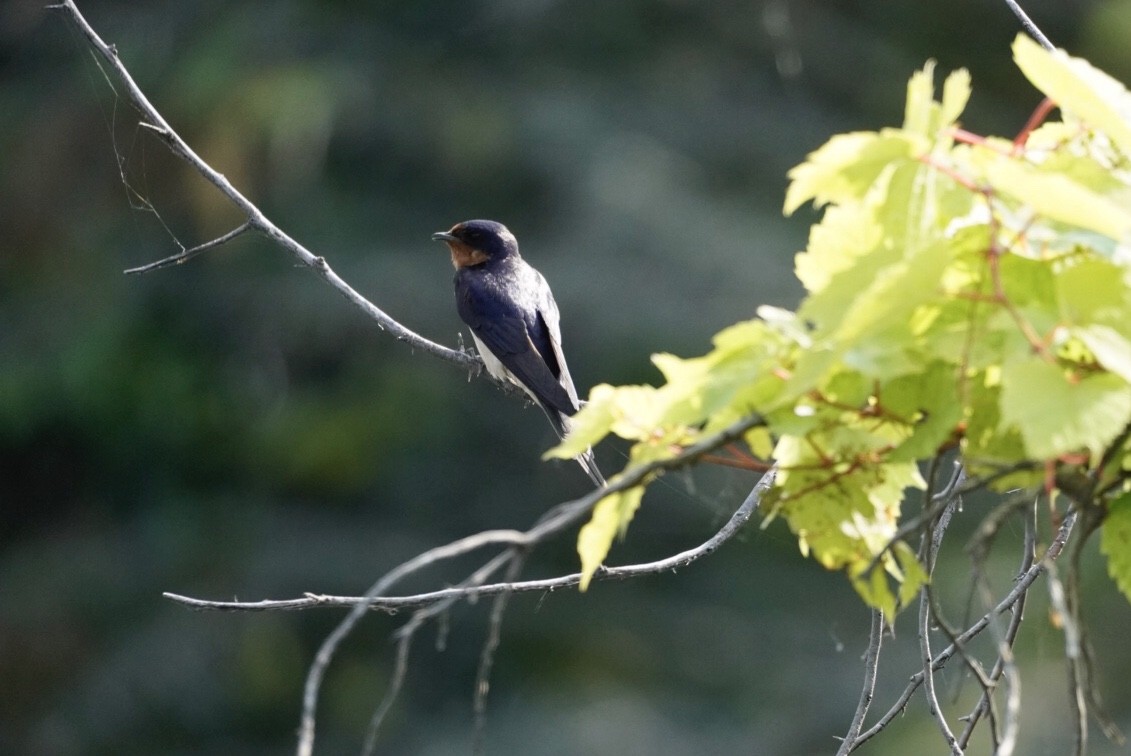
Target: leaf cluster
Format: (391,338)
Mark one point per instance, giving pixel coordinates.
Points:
(962,292)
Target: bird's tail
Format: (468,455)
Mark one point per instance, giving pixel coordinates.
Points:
(586,459)
(588,463)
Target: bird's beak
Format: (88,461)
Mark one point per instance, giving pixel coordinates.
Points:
(443,236)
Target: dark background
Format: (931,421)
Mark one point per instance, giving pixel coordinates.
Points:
(233,427)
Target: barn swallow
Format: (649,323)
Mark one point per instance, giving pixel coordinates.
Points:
(514,320)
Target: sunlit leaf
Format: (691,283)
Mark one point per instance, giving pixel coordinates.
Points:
(914,576)
(956,93)
(1055,415)
(920,108)
(1115,542)
(956,294)
(1111,348)
(1076,86)
(610,518)
(872,585)
(845,167)
(1058,197)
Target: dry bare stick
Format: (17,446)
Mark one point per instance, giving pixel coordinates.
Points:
(931,540)
(984,707)
(1027,22)
(552,522)
(487,658)
(333,640)
(1084,694)
(255,219)
(931,543)
(1021,586)
(1004,742)
(405,636)
(871,665)
(393,604)
(440,606)
(188,254)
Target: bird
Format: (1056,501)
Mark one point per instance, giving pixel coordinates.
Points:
(514,321)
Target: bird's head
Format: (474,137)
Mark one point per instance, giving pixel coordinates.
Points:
(475,242)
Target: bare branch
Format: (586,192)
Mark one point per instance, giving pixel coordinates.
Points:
(188,254)
(1081,672)
(400,669)
(1021,586)
(931,540)
(255,218)
(487,658)
(1027,22)
(552,522)
(931,543)
(985,703)
(871,665)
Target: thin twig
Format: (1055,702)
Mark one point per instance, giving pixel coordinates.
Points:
(985,705)
(404,637)
(487,659)
(332,641)
(255,217)
(1021,586)
(396,682)
(556,520)
(1066,600)
(188,254)
(1006,741)
(1006,667)
(1030,27)
(931,540)
(440,607)
(928,673)
(936,532)
(871,664)
(393,604)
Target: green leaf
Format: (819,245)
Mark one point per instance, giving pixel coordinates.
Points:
(930,401)
(922,115)
(1111,348)
(836,244)
(589,425)
(1058,197)
(1093,289)
(1056,416)
(873,587)
(760,442)
(956,93)
(846,166)
(1115,542)
(610,518)
(919,111)
(894,293)
(914,576)
(1079,88)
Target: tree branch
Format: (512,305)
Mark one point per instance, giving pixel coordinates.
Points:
(1021,586)
(255,219)
(1030,27)
(871,665)
(555,520)
(487,658)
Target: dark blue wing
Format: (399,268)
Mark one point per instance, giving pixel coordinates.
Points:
(518,336)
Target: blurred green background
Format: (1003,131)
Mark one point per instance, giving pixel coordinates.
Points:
(233,428)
